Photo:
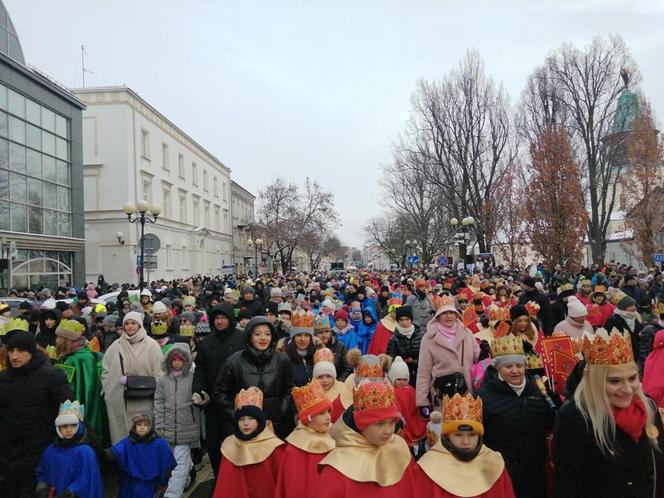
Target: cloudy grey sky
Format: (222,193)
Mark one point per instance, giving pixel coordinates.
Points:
(313,87)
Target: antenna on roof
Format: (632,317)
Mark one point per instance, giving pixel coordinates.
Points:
(83,69)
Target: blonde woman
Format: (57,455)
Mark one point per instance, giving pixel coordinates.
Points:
(608,438)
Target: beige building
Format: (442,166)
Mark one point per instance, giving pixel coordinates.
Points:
(242,215)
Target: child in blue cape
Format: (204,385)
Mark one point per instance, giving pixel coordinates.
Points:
(144,458)
(366,329)
(68,467)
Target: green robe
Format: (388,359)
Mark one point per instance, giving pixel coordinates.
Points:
(83,370)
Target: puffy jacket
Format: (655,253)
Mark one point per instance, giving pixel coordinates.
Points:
(30,398)
(516,426)
(645,342)
(215,349)
(175,416)
(269,370)
(422,309)
(400,345)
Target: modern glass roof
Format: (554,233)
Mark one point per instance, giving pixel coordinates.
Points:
(9,42)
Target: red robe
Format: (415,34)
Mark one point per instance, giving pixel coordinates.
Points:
(381,337)
(300,475)
(333,484)
(599,314)
(426,488)
(416,426)
(249,481)
(337,409)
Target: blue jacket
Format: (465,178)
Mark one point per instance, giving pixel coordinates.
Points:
(365,332)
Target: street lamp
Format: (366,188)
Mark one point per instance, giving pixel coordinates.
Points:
(140,213)
(462,235)
(257,244)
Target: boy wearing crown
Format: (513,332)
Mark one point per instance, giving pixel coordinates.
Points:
(459,465)
(251,457)
(308,444)
(369,460)
(338,393)
(68,467)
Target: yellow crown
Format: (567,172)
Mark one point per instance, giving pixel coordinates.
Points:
(533,308)
(370,366)
(566,287)
(496,313)
(323,354)
(250,396)
(603,348)
(509,344)
(533,362)
(462,410)
(158,327)
(310,399)
(373,396)
(600,288)
(302,320)
(17,325)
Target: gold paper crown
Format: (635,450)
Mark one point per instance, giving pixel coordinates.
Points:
(373,396)
(321,323)
(600,288)
(565,288)
(533,308)
(159,327)
(250,396)
(191,300)
(187,330)
(533,362)
(309,399)
(302,320)
(496,313)
(509,344)
(17,325)
(370,366)
(616,297)
(462,410)
(323,354)
(72,326)
(603,348)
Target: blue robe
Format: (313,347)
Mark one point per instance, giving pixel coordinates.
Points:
(74,468)
(365,332)
(145,466)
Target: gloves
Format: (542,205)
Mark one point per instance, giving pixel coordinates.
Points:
(425,411)
(200,399)
(123,380)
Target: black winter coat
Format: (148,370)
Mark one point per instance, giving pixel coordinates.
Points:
(254,307)
(581,470)
(343,368)
(400,345)
(516,426)
(271,372)
(30,398)
(616,321)
(646,340)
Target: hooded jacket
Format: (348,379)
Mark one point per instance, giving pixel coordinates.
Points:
(215,349)
(175,416)
(46,336)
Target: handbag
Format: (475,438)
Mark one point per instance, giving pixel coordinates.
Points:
(453,383)
(138,386)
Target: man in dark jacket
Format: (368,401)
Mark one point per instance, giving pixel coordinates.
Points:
(406,341)
(530,293)
(31,391)
(211,356)
(625,318)
(248,301)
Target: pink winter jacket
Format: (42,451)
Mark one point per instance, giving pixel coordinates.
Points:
(438,358)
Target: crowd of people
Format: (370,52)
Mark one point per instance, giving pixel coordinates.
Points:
(428,383)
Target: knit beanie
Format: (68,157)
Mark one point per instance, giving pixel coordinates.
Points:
(110,321)
(133,315)
(159,307)
(517,311)
(341,315)
(575,308)
(188,315)
(24,341)
(404,311)
(626,302)
(398,370)
(324,368)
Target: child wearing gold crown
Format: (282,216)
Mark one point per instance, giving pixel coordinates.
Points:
(251,457)
(325,372)
(459,464)
(68,467)
(369,460)
(611,424)
(308,444)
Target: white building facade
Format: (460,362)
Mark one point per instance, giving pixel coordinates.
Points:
(131,152)
(242,209)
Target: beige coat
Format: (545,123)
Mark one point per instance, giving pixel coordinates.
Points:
(141,355)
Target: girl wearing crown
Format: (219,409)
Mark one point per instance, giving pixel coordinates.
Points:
(369,460)
(300,348)
(251,457)
(611,425)
(69,467)
(459,464)
(338,393)
(308,444)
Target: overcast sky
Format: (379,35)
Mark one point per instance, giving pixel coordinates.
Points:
(317,88)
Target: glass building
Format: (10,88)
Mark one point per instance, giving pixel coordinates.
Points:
(41,174)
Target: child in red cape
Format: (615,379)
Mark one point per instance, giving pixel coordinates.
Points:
(459,465)
(415,426)
(370,460)
(308,444)
(338,393)
(251,457)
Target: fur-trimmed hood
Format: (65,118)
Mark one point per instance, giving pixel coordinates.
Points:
(184,350)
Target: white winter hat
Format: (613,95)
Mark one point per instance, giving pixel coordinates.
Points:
(329,304)
(575,308)
(324,368)
(159,307)
(398,370)
(146,292)
(133,315)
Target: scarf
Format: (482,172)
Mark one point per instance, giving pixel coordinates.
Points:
(344,331)
(129,356)
(632,420)
(407,332)
(517,389)
(573,323)
(448,333)
(630,317)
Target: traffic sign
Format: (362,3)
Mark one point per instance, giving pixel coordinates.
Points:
(658,258)
(413,260)
(442,260)
(151,243)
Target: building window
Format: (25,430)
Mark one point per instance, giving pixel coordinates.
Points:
(164,156)
(37,269)
(216,186)
(167,202)
(207,215)
(180,165)
(147,190)
(196,208)
(183,207)
(145,144)
(194,174)
(224,192)
(226,221)
(205,180)
(217,219)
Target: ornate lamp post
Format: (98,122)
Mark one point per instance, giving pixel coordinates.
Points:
(257,245)
(140,213)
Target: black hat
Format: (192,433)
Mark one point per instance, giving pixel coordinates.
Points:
(271,307)
(529,281)
(404,311)
(25,305)
(517,311)
(82,296)
(61,305)
(24,341)
(243,313)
